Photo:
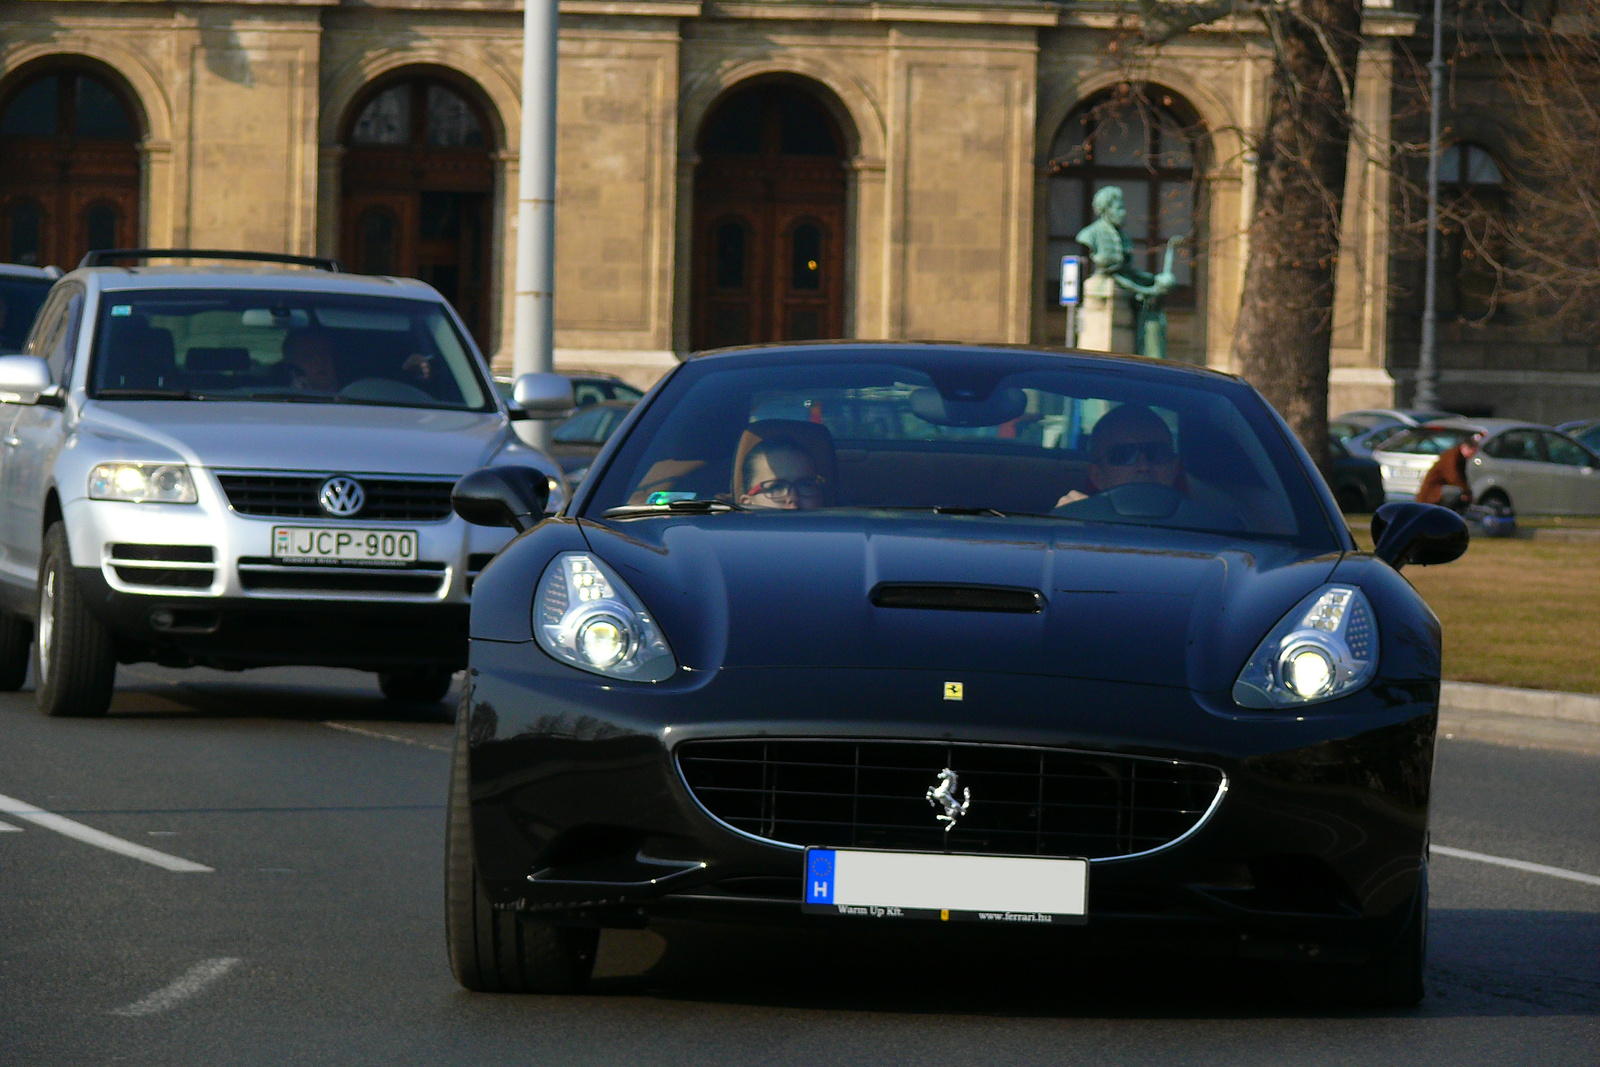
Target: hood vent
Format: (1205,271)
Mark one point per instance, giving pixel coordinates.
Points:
(956,597)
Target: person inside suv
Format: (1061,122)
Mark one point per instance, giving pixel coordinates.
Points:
(308,355)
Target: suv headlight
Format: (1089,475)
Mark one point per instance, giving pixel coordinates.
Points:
(585,616)
(1326,647)
(143,483)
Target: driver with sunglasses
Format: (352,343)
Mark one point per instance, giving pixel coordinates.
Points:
(1130,443)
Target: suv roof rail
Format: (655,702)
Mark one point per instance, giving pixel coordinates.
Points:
(104,256)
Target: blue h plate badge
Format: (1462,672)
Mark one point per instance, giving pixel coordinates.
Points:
(819,876)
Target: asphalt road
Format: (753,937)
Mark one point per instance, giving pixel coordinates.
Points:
(316,937)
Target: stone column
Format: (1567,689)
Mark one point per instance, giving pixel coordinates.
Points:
(1105,318)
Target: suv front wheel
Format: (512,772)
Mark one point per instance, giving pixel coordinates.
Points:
(75,662)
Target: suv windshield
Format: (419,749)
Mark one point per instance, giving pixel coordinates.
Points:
(210,344)
(20,299)
(1013,433)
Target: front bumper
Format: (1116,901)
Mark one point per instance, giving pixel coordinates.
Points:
(581,814)
(197,584)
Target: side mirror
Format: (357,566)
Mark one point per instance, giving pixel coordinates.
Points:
(25,379)
(502,496)
(543,396)
(1425,534)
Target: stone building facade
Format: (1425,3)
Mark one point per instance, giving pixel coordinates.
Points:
(729,170)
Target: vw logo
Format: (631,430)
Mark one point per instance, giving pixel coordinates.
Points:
(341,497)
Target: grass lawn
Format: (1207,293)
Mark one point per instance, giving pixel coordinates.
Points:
(1522,613)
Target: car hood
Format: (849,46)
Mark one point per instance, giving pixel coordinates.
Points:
(315,437)
(1128,604)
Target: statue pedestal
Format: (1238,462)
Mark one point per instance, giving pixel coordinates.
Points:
(1105,319)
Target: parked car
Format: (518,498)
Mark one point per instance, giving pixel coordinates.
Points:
(245,466)
(1585,431)
(892,658)
(1363,431)
(1356,481)
(1524,467)
(586,389)
(22,292)
(575,442)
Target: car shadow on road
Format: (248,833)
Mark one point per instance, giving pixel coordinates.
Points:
(299,694)
(1482,963)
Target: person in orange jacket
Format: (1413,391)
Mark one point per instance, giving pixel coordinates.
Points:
(1449,472)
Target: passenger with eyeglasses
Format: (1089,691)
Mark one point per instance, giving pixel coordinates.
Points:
(780,475)
(1130,444)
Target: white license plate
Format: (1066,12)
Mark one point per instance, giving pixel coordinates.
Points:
(323,544)
(922,885)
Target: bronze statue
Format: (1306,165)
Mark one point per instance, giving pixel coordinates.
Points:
(1111,252)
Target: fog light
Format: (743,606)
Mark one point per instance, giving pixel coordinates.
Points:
(161,619)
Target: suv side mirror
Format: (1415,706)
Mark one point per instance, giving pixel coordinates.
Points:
(543,396)
(25,380)
(502,496)
(1425,534)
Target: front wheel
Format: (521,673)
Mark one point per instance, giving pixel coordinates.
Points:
(16,643)
(494,951)
(75,660)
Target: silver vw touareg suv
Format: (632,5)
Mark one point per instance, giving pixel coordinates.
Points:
(245,465)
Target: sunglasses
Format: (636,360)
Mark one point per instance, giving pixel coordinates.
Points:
(1126,455)
(785,486)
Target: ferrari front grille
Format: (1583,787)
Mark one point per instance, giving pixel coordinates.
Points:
(1019,800)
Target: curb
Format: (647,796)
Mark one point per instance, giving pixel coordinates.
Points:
(1536,718)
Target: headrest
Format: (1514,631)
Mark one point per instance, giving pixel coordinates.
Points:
(812,438)
(217,360)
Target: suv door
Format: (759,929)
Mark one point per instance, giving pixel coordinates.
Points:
(1574,477)
(35,438)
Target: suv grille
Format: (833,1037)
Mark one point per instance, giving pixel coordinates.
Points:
(872,794)
(258,573)
(294,496)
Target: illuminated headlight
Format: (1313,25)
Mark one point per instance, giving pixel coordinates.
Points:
(1326,647)
(585,616)
(144,483)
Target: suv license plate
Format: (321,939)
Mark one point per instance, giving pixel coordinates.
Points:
(321,544)
(918,885)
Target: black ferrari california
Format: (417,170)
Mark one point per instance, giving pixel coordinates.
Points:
(915,633)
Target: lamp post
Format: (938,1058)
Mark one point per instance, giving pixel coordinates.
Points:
(1426,394)
(533,339)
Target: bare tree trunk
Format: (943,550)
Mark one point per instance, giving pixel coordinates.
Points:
(1285,314)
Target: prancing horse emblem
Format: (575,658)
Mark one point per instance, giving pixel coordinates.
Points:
(943,796)
(341,497)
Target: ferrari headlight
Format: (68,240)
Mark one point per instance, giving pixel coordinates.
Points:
(143,483)
(585,616)
(1326,647)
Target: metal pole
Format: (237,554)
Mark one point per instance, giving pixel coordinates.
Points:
(533,342)
(1426,395)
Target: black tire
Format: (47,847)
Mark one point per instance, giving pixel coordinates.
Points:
(75,659)
(16,647)
(415,685)
(494,951)
(1495,498)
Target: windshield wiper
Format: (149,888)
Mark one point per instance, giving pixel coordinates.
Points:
(147,394)
(675,507)
(937,509)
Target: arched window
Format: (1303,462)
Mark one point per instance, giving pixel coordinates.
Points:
(1472,195)
(416,186)
(1141,143)
(69,166)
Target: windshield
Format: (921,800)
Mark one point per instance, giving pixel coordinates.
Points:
(1427,441)
(1014,433)
(20,299)
(210,344)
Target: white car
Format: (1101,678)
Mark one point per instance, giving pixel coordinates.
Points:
(240,466)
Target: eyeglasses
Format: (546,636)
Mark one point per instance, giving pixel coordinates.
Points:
(784,486)
(1126,455)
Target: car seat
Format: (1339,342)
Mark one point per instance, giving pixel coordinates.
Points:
(809,437)
(138,356)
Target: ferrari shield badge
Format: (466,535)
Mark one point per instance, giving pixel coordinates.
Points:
(953,691)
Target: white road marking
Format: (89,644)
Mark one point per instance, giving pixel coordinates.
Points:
(192,981)
(90,836)
(383,736)
(1520,865)
(7,828)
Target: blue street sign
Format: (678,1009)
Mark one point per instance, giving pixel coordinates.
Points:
(1071,276)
